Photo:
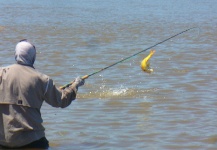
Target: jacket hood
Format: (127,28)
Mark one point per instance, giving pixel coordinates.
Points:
(25,53)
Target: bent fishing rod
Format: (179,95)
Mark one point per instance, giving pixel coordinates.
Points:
(124,59)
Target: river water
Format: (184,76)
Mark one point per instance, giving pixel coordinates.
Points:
(123,108)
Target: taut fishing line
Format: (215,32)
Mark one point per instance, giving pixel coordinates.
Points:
(124,59)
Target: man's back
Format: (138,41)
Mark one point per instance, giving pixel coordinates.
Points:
(22,85)
(21,99)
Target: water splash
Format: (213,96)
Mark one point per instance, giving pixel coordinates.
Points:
(121,92)
(118,91)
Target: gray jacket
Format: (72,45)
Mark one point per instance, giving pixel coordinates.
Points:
(22,92)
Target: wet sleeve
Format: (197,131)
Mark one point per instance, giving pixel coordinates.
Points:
(59,98)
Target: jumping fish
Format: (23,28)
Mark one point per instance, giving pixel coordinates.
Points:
(145,64)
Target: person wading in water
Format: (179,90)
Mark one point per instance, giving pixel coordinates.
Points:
(22,91)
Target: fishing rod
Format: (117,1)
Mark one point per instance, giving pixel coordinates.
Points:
(124,59)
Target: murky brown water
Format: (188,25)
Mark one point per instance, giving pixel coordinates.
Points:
(123,107)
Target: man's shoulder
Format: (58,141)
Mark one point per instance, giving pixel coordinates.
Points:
(40,75)
(4,68)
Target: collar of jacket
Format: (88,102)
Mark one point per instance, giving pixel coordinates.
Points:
(19,63)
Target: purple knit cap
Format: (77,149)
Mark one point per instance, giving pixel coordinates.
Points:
(25,53)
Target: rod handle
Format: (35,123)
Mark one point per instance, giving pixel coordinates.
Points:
(64,86)
(85,77)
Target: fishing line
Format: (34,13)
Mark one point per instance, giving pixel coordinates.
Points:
(124,59)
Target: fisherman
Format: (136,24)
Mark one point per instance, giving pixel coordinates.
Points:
(22,92)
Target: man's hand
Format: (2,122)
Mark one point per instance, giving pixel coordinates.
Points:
(79,81)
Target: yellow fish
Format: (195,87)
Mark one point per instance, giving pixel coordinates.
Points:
(145,64)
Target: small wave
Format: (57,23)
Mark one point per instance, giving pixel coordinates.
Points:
(211,139)
(1,28)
